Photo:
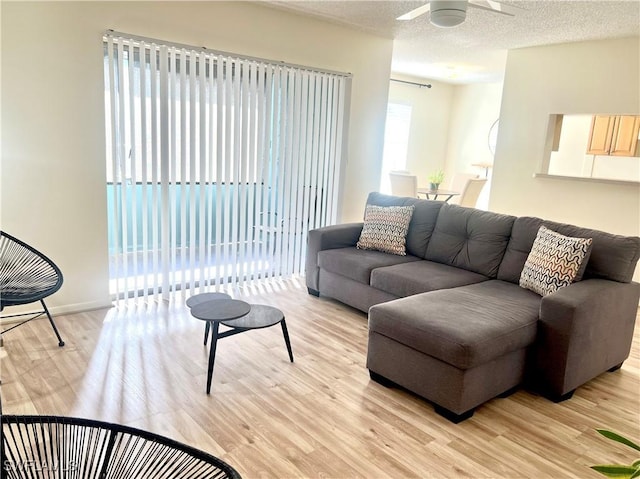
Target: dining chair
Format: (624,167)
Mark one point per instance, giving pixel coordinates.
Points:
(471,192)
(459,183)
(404,185)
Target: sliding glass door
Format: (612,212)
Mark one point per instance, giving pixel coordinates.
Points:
(217,165)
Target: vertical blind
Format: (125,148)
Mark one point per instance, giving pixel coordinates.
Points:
(217,165)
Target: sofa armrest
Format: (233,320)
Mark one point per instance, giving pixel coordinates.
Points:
(584,330)
(329,237)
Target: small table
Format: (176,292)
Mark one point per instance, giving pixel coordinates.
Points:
(240,317)
(203,298)
(486,167)
(435,193)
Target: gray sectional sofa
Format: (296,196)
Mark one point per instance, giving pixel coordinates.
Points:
(450,322)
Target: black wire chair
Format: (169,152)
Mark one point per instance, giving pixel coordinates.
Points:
(54,447)
(26,276)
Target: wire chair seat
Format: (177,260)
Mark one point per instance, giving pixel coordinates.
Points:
(26,276)
(55,447)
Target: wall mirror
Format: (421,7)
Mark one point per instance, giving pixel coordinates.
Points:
(599,146)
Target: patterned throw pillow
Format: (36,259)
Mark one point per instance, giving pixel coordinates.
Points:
(385,229)
(554,261)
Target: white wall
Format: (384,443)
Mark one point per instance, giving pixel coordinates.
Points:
(625,168)
(53,161)
(430,115)
(585,77)
(570,158)
(474,109)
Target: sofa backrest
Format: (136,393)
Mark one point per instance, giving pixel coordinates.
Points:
(422,222)
(612,257)
(472,239)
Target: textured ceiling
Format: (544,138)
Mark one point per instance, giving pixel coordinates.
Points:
(476,50)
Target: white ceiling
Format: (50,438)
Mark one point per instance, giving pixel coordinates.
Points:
(476,50)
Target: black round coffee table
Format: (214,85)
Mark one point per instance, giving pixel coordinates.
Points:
(203,298)
(239,317)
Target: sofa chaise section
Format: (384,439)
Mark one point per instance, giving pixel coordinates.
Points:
(456,347)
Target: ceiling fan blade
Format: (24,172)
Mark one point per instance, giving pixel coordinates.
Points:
(415,12)
(495,6)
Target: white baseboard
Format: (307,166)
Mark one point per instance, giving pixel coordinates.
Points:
(54,310)
(79,307)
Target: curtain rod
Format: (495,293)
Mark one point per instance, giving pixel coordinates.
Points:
(421,85)
(116,34)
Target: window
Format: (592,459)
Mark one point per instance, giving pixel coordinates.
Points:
(217,165)
(396,142)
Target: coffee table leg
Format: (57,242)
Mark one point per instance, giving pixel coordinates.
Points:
(286,338)
(207,326)
(212,353)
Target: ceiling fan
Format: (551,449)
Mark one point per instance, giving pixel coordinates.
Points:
(449,13)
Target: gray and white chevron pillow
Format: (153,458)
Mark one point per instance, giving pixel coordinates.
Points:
(554,261)
(385,229)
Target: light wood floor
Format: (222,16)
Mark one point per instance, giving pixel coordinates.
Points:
(318,417)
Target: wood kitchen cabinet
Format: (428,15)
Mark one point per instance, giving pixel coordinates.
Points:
(614,135)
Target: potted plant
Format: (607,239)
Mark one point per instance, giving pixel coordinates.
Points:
(619,470)
(435,179)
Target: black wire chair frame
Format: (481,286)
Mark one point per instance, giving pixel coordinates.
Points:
(26,276)
(55,447)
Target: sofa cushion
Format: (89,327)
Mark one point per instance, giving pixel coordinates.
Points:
(357,263)
(612,256)
(464,327)
(385,229)
(471,239)
(554,261)
(421,276)
(423,220)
